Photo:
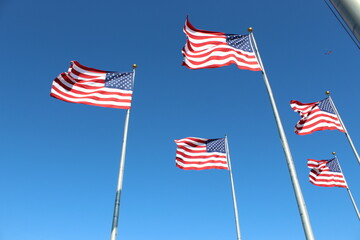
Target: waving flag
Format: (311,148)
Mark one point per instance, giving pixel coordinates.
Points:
(206,49)
(315,116)
(200,153)
(94,87)
(326,173)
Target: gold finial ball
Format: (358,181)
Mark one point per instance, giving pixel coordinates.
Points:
(327,92)
(333,153)
(134,66)
(250,29)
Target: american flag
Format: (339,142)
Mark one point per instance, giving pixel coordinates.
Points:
(326,173)
(207,49)
(315,116)
(94,87)
(194,153)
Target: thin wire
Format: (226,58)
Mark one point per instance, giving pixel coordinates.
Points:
(342,24)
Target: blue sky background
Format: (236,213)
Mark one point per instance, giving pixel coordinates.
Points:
(59,161)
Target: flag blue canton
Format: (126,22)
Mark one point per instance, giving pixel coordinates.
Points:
(325,105)
(215,145)
(241,42)
(333,165)
(119,80)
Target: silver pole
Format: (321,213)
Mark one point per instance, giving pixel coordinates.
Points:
(115,221)
(353,202)
(233,190)
(343,126)
(295,182)
(348,189)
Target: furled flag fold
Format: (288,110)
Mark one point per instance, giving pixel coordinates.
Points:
(91,86)
(194,153)
(315,116)
(207,49)
(326,173)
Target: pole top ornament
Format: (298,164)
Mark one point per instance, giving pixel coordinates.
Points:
(327,92)
(250,29)
(134,66)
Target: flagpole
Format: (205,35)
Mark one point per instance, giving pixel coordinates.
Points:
(343,126)
(292,171)
(233,189)
(115,222)
(348,189)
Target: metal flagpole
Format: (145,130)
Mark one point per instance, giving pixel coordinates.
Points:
(295,182)
(343,126)
(233,189)
(348,189)
(115,221)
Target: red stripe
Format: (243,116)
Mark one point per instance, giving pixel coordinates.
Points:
(75,82)
(209,38)
(201,168)
(321,118)
(70,89)
(200,156)
(200,162)
(99,99)
(331,178)
(318,129)
(90,103)
(203,150)
(191,144)
(189,25)
(314,114)
(216,43)
(303,124)
(230,52)
(221,58)
(87,68)
(331,185)
(302,104)
(223,65)
(84,75)
(199,140)
(100,91)
(215,35)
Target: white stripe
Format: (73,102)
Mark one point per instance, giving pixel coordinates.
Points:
(93,94)
(328,175)
(83,99)
(302,109)
(219,53)
(193,148)
(212,50)
(305,129)
(199,33)
(220,62)
(78,69)
(328,183)
(84,90)
(195,141)
(201,165)
(75,79)
(202,157)
(308,123)
(218,40)
(73,75)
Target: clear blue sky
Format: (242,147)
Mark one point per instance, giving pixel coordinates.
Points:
(59,161)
